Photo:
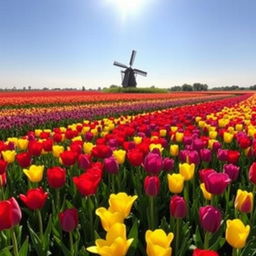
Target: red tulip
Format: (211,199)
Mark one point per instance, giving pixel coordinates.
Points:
(69,219)
(35,198)
(233,156)
(68,157)
(252,173)
(23,159)
(178,207)
(101,151)
(3,166)
(151,185)
(10,213)
(210,218)
(47,145)
(87,183)
(135,157)
(35,148)
(199,252)
(56,177)
(204,172)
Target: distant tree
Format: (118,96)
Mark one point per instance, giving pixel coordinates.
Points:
(83,88)
(99,88)
(24,88)
(200,87)
(253,87)
(176,88)
(187,87)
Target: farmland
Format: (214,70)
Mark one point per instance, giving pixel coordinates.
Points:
(85,173)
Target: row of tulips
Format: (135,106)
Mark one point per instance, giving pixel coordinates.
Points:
(14,122)
(35,98)
(182,174)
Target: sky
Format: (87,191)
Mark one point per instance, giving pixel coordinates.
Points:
(73,43)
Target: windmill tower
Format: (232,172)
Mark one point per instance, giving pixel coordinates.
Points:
(128,75)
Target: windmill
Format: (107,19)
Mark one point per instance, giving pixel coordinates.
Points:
(128,75)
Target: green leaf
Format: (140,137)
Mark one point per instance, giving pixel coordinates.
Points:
(62,246)
(134,235)
(24,248)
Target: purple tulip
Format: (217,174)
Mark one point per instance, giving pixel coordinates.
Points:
(198,144)
(232,171)
(111,165)
(216,183)
(83,161)
(206,155)
(194,157)
(210,218)
(222,154)
(168,164)
(178,207)
(153,163)
(216,146)
(152,185)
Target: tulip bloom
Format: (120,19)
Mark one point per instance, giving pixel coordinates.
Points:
(3,179)
(216,183)
(199,252)
(135,157)
(35,198)
(111,165)
(233,156)
(187,170)
(68,158)
(87,183)
(175,183)
(178,207)
(34,173)
(9,156)
(244,201)
(232,171)
(174,150)
(3,166)
(116,243)
(83,161)
(151,185)
(23,159)
(87,147)
(158,243)
(10,213)
(119,155)
(252,173)
(168,164)
(153,163)
(68,219)
(210,218)
(57,150)
(56,177)
(35,148)
(206,155)
(206,194)
(22,144)
(237,233)
(108,218)
(122,203)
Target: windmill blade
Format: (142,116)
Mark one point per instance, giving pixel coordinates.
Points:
(119,64)
(140,72)
(132,57)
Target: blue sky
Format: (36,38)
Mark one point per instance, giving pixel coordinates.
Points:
(73,43)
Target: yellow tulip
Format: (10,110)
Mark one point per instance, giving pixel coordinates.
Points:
(77,138)
(175,182)
(119,155)
(206,194)
(174,128)
(9,156)
(213,134)
(156,146)
(122,203)
(34,173)
(159,243)
(22,144)
(38,132)
(187,170)
(137,139)
(228,137)
(85,129)
(116,243)
(87,147)
(162,133)
(57,150)
(244,201)
(237,233)
(108,218)
(179,136)
(174,150)
(14,140)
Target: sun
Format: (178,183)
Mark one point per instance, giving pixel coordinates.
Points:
(126,7)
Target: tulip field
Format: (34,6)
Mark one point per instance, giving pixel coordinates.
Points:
(91,173)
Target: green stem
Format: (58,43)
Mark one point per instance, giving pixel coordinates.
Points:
(206,240)
(41,232)
(90,213)
(2,196)
(235,252)
(71,241)
(113,183)
(177,235)
(152,217)
(57,200)
(14,242)
(186,192)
